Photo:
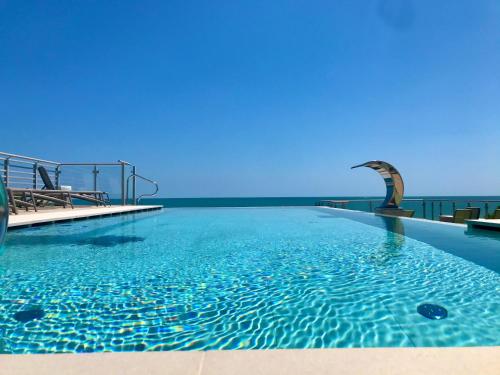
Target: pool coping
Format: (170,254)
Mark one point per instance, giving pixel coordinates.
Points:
(350,361)
(486,224)
(25,220)
(399,217)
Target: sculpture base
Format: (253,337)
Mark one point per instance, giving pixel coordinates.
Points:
(394,212)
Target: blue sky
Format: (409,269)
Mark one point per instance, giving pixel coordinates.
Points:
(259,98)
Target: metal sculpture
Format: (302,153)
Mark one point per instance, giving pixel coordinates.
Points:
(393,182)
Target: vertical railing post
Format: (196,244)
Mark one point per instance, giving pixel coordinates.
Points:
(486,210)
(35,169)
(440,208)
(424,213)
(454,207)
(432,210)
(124,199)
(58,180)
(6,171)
(133,185)
(95,172)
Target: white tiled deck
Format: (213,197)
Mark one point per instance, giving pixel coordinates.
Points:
(378,361)
(53,215)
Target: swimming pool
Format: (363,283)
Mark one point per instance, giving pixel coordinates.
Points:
(246,278)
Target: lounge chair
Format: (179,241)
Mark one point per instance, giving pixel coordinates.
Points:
(476,212)
(459,216)
(15,201)
(49,194)
(32,198)
(97,197)
(12,205)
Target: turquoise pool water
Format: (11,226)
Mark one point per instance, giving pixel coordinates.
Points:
(242,278)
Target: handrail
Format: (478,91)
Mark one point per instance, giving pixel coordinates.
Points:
(134,175)
(91,164)
(123,162)
(28,158)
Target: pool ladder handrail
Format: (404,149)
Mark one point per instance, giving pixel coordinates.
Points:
(135,175)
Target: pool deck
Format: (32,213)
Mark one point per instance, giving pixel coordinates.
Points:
(377,361)
(491,224)
(53,215)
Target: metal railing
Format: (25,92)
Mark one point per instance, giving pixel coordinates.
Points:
(134,176)
(425,208)
(439,207)
(94,169)
(19,171)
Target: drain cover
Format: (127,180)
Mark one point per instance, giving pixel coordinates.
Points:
(431,311)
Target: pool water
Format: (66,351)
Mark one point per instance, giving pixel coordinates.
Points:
(246,278)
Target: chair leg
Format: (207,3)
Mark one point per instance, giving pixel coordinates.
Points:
(63,198)
(70,201)
(12,201)
(34,201)
(25,198)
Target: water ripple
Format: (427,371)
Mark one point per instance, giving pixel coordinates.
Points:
(237,279)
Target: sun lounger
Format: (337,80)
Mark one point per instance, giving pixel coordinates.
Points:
(50,195)
(475,212)
(459,216)
(33,198)
(97,197)
(20,199)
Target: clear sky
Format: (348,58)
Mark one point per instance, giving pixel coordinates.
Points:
(259,98)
